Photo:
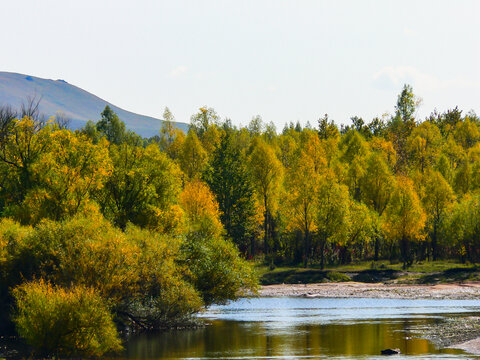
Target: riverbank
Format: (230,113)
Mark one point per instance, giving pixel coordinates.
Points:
(460,332)
(466,290)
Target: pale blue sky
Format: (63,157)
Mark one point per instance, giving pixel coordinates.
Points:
(284,60)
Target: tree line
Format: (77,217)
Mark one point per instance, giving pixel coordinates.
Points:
(398,188)
(147,231)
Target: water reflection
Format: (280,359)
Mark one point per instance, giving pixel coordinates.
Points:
(303,328)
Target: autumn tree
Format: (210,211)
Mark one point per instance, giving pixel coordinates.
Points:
(354,154)
(405,218)
(423,145)
(376,189)
(23,142)
(204,119)
(437,199)
(302,181)
(66,176)
(193,157)
(216,269)
(332,214)
(267,174)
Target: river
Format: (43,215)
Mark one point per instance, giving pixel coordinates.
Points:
(306,328)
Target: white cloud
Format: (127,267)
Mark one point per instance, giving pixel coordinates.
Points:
(395,76)
(408,31)
(178,71)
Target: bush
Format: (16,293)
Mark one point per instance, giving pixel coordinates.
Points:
(217,270)
(166,298)
(68,322)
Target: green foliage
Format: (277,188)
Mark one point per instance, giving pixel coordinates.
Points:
(141,189)
(407,103)
(203,120)
(60,321)
(230,181)
(217,271)
(165,298)
(111,127)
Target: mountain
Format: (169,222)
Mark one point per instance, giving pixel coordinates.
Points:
(77,104)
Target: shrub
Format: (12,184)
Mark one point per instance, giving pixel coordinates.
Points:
(217,270)
(68,322)
(166,298)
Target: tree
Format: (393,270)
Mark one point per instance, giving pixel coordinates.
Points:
(332,205)
(461,229)
(142,188)
(313,147)
(216,269)
(423,145)
(376,189)
(405,218)
(467,133)
(111,126)
(23,142)
(193,158)
(201,121)
(438,198)
(255,127)
(327,129)
(66,176)
(167,130)
(302,182)
(230,181)
(463,177)
(402,124)
(201,209)
(267,173)
(355,151)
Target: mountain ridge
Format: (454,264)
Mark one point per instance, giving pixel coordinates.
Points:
(77,104)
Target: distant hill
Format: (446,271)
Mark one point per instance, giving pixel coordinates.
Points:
(77,104)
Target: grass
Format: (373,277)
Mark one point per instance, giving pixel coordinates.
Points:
(428,272)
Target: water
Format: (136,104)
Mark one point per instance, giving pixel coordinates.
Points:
(306,328)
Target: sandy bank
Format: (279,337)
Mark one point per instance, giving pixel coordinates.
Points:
(469,290)
(471,346)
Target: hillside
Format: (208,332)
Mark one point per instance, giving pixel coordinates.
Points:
(79,105)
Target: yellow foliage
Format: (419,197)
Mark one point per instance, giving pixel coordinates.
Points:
(201,208)
(405,215)
(61,321)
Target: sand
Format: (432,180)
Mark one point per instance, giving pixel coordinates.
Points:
(469,290)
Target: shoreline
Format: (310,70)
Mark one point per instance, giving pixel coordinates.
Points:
(462,333)
(453,291)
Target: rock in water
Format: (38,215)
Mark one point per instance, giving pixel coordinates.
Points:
(390,352)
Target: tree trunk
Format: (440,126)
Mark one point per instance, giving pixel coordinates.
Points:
(322,253)
(265,228)
(305,249)
(404,251)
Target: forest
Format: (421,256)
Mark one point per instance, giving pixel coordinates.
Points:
(103,231)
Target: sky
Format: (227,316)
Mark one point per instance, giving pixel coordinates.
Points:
(283,60)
